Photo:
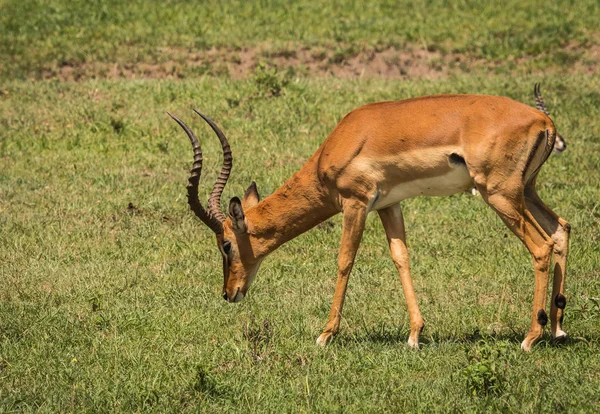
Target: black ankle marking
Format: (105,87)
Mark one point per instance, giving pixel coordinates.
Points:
(561,318)
(560,301)
(542,317)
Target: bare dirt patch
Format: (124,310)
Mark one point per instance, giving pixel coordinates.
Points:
(389,63)
(589,63)
(341,62)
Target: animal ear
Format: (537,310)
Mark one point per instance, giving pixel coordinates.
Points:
(251,196)
(236,213)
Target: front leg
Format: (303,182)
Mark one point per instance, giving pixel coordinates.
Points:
(355,214)
(393,223)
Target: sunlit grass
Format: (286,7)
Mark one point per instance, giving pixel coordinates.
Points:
(106,307)
(40,37)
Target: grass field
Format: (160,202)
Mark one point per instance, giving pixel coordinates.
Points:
(111,289)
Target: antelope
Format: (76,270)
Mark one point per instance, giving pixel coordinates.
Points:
(379,155)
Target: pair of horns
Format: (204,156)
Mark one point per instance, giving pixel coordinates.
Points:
(539,101)
(214,217)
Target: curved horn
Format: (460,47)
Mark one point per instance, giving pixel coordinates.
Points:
(214,200)
(192,188)
(539,101)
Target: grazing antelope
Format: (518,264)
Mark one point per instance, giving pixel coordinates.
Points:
(379,155)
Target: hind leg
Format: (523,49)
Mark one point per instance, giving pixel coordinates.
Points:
(512,209)
(559,230)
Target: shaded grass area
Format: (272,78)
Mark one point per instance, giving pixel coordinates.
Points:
(110,297)
(40,37)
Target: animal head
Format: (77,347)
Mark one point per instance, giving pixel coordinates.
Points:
(240,263)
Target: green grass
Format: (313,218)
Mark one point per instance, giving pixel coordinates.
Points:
(110,308)
(38,37)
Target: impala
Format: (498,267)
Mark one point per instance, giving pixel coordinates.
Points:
(381,154)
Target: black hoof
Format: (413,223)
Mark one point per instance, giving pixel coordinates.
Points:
(560,339)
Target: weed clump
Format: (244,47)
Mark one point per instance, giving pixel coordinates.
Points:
(117,125)
(203,386)
(258,337)
(269,81)
(204,382)
(485,374)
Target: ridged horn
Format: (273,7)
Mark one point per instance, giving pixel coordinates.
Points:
(214,200)
(213,222)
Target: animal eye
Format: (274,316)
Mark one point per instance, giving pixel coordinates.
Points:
(226,247)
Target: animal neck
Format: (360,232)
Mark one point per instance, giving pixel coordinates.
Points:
(295,207)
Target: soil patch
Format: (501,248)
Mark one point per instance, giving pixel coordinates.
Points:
(238,64)
(346,62)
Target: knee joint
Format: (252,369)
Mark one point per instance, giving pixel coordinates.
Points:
(344,267)
(561,240)
(542,255)
(549,247)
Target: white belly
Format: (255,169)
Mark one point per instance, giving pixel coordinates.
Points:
(454,181)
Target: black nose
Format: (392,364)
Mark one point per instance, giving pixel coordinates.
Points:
(225,295)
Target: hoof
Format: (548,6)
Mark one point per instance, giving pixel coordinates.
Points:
(414,344)
(526,345)
(560,336)
(324,338)
(530,340)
